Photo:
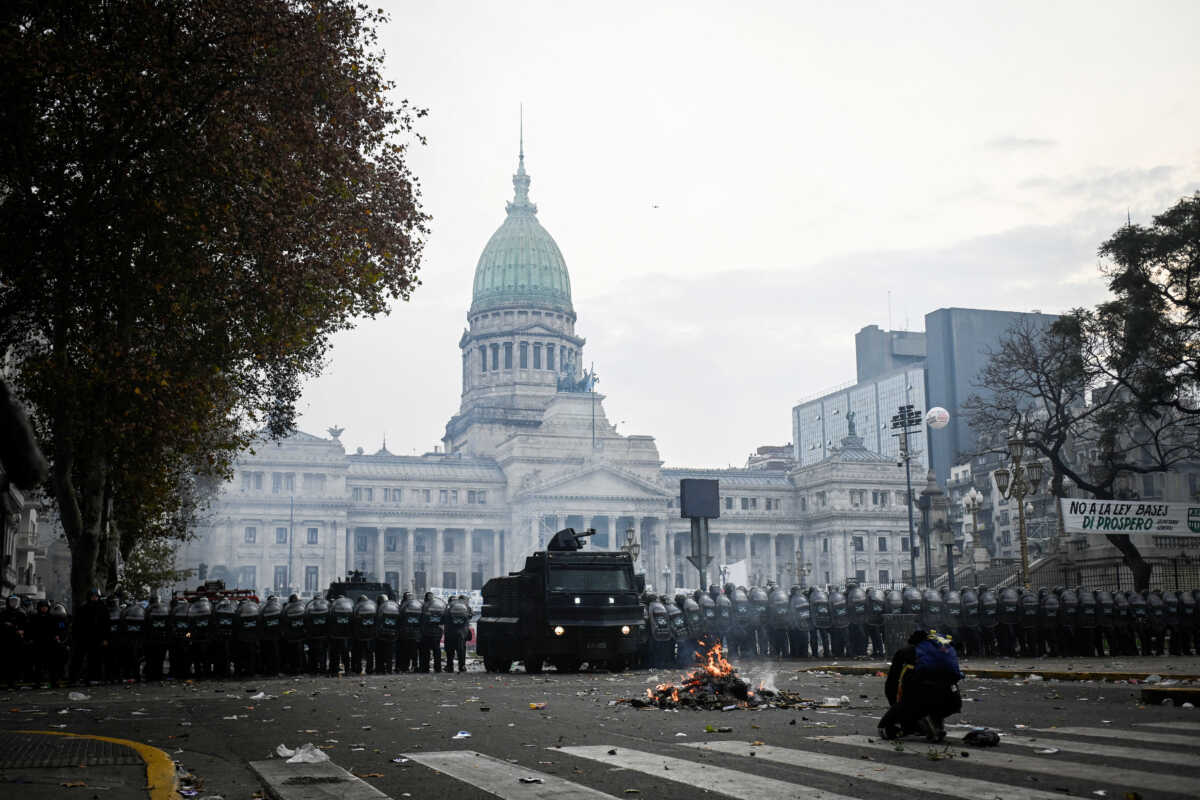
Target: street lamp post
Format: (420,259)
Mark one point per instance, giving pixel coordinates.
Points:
(803,570)
(1017,483)
(906,419)
(631,546)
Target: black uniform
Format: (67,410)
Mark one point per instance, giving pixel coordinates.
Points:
(457,624)
(431,633)
(158,634)
(12,641)
(410,634)
(918,697)
(89,640)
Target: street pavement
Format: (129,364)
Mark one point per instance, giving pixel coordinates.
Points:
(403,736)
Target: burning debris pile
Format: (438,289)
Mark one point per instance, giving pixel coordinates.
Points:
(715,686)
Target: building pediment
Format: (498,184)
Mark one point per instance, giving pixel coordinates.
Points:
(597,480)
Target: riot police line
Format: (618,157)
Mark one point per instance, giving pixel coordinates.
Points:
(200,638)
(837,622)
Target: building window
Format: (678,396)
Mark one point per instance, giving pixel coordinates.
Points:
(804,504)
(825,545)
(397,496)
(482,497)
(524,354)
(495,357)
(251,535)
(454,497)
(447,544)
(903,544)
(827,577)
(745,504)
(858,544)
(314,483)
(884,576)
(883,544)
(476,545)
(281,536)
(470,497)
(419,581)
(360,543)
(392,579)
(419,544)
(389,542)
(449,580)
(443,497)
(537,355)
(860,576)
(311,578)
(476,581)
(426,494)
(483,359)
(313,536)
(549,356)
(508,355)
(283,482)
(248,578)
(356,494)
(281,578)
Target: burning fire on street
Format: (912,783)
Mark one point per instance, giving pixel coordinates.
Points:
(715,685)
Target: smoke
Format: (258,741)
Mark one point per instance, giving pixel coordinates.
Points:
(762,680)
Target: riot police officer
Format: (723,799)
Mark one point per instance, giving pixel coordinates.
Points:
(431,634)
(696,627)
(744,622)
(759,640)
(457,624)
(1157,628)
(800,623)
(1015,619)
(873,625)
(1122,625)
(778,621)
(1067,632)
(114,661)
(158,636)
(1105,641)
(410,633)
(387,631)
(46,637)
(1171,621)
(1046,642)
(1139,624)
(662,641)
(341,629)
(989,620)
(200,615)
(362,647)
(968,602)
(724,625)
(221,641)
(1187,621)
(316,631)
(89,639)
(856,619)
(294,634)
(840,623)
(272,631)
(179,648)
(822,623)
(247,630)
(12,640)
(1085,622)
(931,610)
(679,630)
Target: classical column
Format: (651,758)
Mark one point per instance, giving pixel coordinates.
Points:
(772,567)
(436,569)
(494,569)
(339,552)
(407,579)
(380,538)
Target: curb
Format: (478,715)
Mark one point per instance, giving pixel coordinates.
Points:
(160,769)
(1002,674)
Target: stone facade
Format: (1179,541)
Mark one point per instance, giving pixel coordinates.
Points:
(531,451)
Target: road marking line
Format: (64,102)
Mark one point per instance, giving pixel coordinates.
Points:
(1182,726)
(502,778)
(1108,751)
(160,769)
(1118,776)
(284,781)
(706,777)
(921,780)
(1109,733)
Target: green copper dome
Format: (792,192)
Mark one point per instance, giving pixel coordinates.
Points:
(521,264)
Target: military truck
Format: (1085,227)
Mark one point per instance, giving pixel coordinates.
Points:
(566,607)
(356,585)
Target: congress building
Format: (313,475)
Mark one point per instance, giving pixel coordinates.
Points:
(530,451)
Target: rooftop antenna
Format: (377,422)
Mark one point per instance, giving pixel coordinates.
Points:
(1128,218)
(522,145)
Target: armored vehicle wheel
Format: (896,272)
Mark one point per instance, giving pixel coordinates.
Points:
(533,665)
(567,664)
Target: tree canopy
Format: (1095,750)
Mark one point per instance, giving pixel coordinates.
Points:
(194,195)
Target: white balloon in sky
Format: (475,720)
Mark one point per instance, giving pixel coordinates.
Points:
(937,418)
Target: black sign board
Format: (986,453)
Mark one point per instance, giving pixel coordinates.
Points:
(698,497)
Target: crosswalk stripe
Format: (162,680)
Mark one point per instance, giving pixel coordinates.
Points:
(1106,750)
(1109,733)
(706,777)
(504,779)
(1006,759)
(1181,726)
(922,780)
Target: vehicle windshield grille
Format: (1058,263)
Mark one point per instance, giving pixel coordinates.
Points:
(572,579)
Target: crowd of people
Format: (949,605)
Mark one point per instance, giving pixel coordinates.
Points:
(836,622)
(215,637)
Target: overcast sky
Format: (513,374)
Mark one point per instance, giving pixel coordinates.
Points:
(736,187)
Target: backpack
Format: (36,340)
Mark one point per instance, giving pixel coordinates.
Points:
(936,656)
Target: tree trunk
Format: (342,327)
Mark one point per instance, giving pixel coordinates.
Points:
(1133,559)
(80,513)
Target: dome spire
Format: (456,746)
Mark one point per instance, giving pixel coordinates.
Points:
(520,202)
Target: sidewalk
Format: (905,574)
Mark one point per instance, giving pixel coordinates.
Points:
(1119,668)
(40,765)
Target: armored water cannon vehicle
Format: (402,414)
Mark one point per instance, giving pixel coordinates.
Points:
(566,606)
(356,585)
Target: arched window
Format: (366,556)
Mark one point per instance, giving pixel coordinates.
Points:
(483,359)
(537,355)
(524,354)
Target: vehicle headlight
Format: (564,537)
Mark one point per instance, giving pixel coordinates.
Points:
(559,630)
(625,630)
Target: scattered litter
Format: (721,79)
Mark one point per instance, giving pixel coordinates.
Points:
(612,752)
(526,779)
(283,751)
(368,774)
(536,706)
(982,738)
(1019,726)
(835,702)
(461,735)
(1034,677)
(308,753)
(680,734)
(1154,679)
(725,729)
(74,784)
(399,760)
(78,696)
(1100,793)
(262,696)
(1187,705)
(1049,751)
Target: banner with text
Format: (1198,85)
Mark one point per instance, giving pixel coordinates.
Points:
(1130,516)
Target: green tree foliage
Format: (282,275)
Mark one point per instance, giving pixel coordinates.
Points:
(194,195)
